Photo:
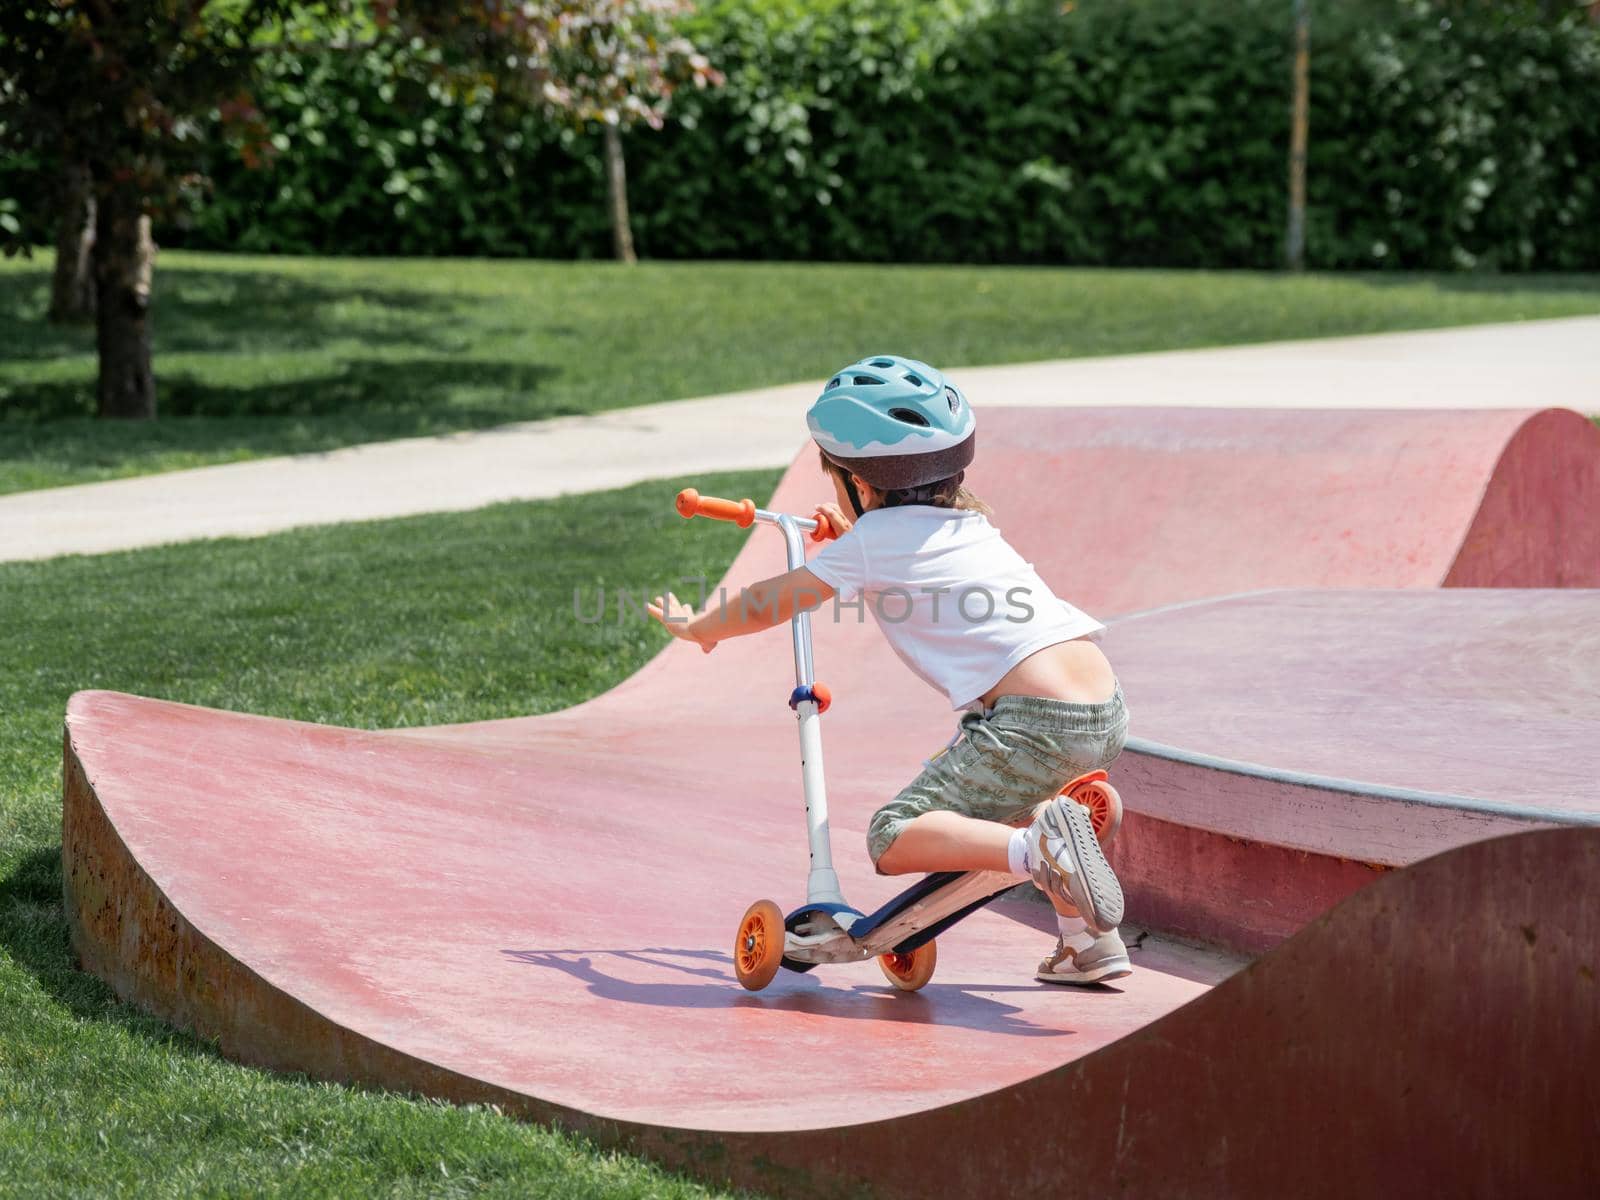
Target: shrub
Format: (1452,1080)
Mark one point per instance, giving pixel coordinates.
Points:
(1444,134)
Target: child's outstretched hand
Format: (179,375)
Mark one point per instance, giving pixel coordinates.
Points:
(676,617)
(835,516)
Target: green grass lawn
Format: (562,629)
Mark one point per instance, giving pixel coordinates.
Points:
(258,356)
(418,621)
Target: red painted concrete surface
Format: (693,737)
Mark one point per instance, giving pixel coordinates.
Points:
(1487,696)
(1346,729)
(537,911)
(1125,510)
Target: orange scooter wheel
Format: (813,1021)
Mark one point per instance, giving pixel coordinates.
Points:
(758,950)
(1101,799)
(908,972)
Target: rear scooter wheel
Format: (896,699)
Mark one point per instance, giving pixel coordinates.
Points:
(1103,803)
(758,950)
(908,972)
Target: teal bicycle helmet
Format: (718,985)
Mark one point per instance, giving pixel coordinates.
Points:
(895,422)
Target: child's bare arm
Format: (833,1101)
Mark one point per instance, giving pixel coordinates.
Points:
(757,607)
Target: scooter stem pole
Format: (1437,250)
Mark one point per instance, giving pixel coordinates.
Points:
(822,884)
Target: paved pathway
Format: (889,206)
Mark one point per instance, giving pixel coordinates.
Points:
(1540,363)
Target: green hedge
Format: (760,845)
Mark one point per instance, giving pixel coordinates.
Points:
(1457,135)
(1122,132)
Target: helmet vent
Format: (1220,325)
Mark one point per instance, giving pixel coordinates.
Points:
(952,399)
(862,380)
(833,383)
(913,380)
(882,363)
(910,416)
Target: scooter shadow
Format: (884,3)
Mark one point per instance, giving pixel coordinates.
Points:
(713,986)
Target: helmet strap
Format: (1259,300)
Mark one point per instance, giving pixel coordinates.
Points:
(855,496)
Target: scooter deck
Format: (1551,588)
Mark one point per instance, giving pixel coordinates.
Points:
(911,919)
(927,908)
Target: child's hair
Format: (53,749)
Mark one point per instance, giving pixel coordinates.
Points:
(942,493)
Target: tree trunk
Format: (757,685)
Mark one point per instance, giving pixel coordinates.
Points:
(124,259)
(617,188)
(72,288)
(1294,242)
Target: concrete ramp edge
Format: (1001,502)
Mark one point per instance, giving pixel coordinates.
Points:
(1317,1070)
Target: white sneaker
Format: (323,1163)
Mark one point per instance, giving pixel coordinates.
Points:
(1083,958)
(1066,862)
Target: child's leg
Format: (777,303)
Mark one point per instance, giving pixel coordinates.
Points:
(950,841)
(961,812)
(947,841)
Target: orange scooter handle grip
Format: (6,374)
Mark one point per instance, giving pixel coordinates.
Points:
(692,504)
(824,532)
(742,513)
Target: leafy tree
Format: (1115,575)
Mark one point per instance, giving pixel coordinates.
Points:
(611,63)
(116,91)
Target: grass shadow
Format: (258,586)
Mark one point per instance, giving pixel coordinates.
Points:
(466,390)
(34,932)
(262,312)
(1481,283)
(204,421)
(412,391)
(24,331)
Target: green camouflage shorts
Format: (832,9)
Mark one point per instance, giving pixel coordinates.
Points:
(1006,761)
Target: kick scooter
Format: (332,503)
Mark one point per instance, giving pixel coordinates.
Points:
(825,929)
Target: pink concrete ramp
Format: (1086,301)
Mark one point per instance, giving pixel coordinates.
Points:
(1128,509)
(537,911)
(363,926)
(1293,741)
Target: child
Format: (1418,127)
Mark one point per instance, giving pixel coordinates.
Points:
(970,617)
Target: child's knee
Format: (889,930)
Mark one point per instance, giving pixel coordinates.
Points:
(883,834)
(888,863)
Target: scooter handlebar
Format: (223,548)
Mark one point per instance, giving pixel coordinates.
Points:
(692,504)
(743,513)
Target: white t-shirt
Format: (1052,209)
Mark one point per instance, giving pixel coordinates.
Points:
(956,602)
